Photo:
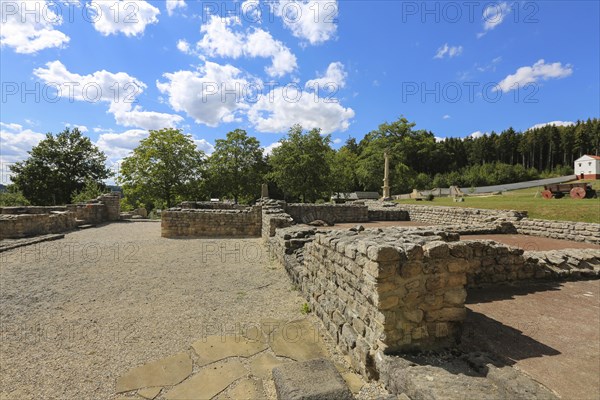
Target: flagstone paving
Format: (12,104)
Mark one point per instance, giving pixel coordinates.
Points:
(166,372)
(216,348)
(232,366)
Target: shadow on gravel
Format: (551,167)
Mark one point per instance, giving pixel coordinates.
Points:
(508,291)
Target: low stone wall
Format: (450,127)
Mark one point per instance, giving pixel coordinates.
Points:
(398,290)
(564,264)
(457,215)
(577,231)
(437,215)
(106,207)
(92,213)
(26,225)
(330,213)
(273,217)
(19,222)
(379,212)
(177,222)
(31,210)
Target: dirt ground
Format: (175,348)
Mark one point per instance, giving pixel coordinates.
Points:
(79,312)
(551,331)
(376,224)
(533,243)
(524,242)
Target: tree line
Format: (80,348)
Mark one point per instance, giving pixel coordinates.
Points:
(167,167)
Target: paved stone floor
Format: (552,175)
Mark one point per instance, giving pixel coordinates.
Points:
(231,366)
(551,331)
(86,316)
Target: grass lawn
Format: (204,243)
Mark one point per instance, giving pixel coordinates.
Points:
(565,209)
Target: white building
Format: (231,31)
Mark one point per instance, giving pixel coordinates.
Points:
(587,167)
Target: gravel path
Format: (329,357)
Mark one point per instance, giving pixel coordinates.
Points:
(77,313)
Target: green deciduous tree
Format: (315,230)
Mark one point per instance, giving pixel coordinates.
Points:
(90,191)
(301,165)
(343,170)
(165,167)
(58,167)
(236,168)
(12,197)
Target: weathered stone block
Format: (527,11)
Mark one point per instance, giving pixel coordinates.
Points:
(437,249)
(310,380)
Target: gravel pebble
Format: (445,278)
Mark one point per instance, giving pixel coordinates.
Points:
(79,312)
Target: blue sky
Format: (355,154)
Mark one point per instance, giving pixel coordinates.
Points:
(455,68)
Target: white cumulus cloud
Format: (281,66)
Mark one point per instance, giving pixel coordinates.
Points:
(283,107)
(538,71)
(183,46)
(15,142)
(172,5)
(555,123)
(129,17)
(267,151)
(211,95)
(204,145)
(314,22)
(117,146)
(334,76)
(30,26)
(82,128)
(477,134)
(215,94)
(120,90)
(450,51)
(221,40)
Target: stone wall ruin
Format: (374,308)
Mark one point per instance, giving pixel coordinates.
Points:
(21,222)
(397,290)
(179,222)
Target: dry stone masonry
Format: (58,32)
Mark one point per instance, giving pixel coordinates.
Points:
(381,292)
(13,226)
(179,222)
(274,217)
(330,213)
(399,290)
(20,222)
(514,221)
(458,215)
(576,231)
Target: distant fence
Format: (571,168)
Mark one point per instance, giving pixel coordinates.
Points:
(443,192)
(520,185)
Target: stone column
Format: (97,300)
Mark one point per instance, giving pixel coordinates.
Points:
(386,177)
(265,191)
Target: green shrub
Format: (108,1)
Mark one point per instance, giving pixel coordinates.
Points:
(90,191)
(13,199)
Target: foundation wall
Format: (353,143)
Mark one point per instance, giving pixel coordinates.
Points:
(330,213)
(577,231)
(211,223)
(404,290)
(20,222)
